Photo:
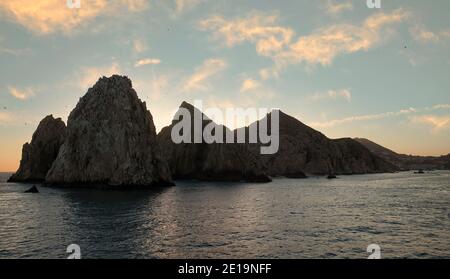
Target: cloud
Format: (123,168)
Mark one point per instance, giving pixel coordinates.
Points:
(258,28)
(21,94)
(198,81)
(139,46)
(147,61)
(321,47)
(49,16)
(333,7)
(421,34)
(440,106)
(182,6)
(350,119)
(332,95)
(90,75)
(436,122)
(249,84)
(337,122)
(367,117)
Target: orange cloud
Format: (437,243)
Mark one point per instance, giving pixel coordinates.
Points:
(258,28)
(21,94)
(147,61)
(48,16)
(325,44)
(421,34)
(199,79)
(436,122)
(321,47)
(249,84)
(335,7)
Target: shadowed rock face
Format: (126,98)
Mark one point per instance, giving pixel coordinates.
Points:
(38,156)
(301,150)
(354,158)
(111,140)
(210,162)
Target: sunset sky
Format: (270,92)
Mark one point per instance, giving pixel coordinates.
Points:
(338,66)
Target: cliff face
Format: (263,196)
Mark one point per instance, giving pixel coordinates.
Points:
(303,149)
(39,154)
(354,158)
(203,161)
(111,139)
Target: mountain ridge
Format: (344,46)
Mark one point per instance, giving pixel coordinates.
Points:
(302,151)
(406,162)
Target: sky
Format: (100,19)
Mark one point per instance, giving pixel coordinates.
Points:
(338,66)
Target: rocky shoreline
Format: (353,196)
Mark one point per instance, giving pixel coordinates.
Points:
(110,142)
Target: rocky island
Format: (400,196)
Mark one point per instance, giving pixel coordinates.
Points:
(110,140)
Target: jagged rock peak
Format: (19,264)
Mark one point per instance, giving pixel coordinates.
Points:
(111,140)
(39,154)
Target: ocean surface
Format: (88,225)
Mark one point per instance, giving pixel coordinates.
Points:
(406,214)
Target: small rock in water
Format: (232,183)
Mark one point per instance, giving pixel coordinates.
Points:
(332,176)
(33,189)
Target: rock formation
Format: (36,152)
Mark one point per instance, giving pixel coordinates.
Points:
(39,154)
(301,150)
(33,190)
(111,140)
(211,162)
(305,150)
